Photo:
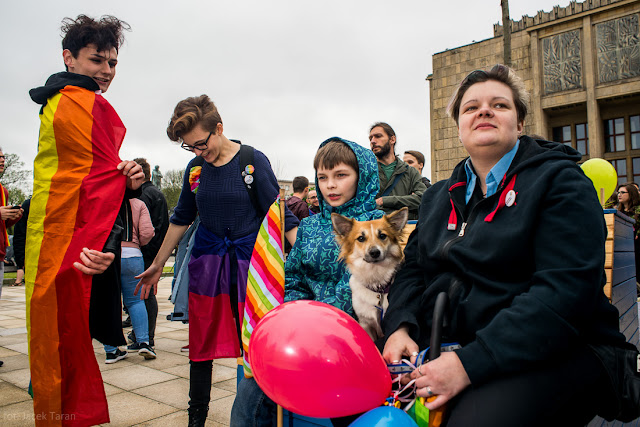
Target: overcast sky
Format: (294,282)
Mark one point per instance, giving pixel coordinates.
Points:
(285,74)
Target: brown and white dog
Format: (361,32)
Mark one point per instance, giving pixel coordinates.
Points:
(372,253)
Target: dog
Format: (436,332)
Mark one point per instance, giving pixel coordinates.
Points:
(372,252)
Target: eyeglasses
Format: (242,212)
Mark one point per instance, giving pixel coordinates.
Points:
(197,146)
(2,157)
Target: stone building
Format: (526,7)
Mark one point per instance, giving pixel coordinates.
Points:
(286,185)
(581,65)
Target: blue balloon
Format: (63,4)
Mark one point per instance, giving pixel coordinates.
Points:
(384,416)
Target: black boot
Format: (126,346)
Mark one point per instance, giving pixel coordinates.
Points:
(198,416)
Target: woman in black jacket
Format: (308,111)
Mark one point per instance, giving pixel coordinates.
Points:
(516,237)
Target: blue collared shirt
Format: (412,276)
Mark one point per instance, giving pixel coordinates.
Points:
(494,176)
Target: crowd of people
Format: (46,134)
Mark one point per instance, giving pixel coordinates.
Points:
(503,237)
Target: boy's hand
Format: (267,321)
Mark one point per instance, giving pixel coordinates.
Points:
(379,201)
(133,172)
(94,262)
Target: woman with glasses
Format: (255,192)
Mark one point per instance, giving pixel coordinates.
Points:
(629,204)
(216,188)
(516,238)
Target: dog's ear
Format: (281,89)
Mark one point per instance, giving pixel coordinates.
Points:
(341,224)
(398,219)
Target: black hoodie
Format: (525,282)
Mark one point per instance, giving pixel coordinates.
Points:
(58,81)
(525,278)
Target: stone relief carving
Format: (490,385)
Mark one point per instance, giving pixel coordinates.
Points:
(562,62)
(618,45)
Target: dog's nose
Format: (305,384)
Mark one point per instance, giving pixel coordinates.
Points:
(374,253)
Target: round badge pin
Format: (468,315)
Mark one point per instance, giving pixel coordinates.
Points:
(510,198)
(249,170)
(248,179)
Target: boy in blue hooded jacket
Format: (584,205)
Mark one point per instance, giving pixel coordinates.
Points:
(347,180)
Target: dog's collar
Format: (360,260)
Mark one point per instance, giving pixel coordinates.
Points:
(387,286)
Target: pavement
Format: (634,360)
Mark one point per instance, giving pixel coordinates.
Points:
(139,392)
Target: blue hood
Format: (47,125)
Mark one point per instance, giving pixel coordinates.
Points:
(312,270)
(364,202)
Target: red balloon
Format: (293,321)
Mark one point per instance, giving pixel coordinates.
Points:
(315,360)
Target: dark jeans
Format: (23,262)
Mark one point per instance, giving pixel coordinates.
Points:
(252,408)
(152,311)
(567,392)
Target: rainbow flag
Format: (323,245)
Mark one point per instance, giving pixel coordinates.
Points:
(77,193)
(265,281)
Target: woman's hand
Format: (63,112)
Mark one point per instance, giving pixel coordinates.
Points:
(94,262)
(148,279)
(7,212)
(400,345)
(444,377)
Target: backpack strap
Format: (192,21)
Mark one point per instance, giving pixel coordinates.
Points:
(246,171)
(246,159)
(395,181)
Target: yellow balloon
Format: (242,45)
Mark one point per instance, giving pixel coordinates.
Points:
(603,175)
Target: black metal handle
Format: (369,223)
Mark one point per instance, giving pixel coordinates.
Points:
(439,313)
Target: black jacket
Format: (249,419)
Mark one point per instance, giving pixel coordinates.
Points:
(525,284)
(105,307)
(157,205)
(20,234)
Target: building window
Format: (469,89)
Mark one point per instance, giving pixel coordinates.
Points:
(634,125)
(582,138)
(579,140)
(621,168)
(562,135)
(614,135)
(636,169)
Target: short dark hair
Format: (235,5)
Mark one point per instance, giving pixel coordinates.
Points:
(146,168)
(499,73)
(333,153)
(299,184)
(385,126)
(83,31)
(418,155)
(192,111)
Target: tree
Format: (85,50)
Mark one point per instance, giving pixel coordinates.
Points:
(16,179)
(171,187)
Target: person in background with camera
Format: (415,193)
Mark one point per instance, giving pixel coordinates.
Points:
(9,215)
(19,239)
